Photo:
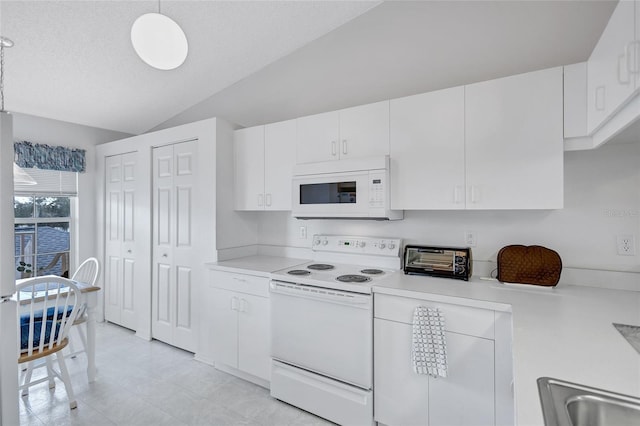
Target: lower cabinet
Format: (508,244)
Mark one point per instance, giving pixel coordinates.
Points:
(467,396)
(239,322)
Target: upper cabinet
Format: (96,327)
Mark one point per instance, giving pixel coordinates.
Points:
(491,145)
(360,131)
(264,160)
(514,142)
(427,151)
(612,66)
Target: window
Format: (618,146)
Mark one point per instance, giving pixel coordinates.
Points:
(42,235)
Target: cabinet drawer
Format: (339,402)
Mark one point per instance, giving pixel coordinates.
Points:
(458,319)
(241,283)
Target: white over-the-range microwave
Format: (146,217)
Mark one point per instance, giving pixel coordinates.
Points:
(344,189)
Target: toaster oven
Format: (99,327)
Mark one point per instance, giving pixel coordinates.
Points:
(444,262)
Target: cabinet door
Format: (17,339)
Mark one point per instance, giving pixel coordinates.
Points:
(401,396)
(254,355)
(249,152)
(317,138)
(224,326)
(364,130)
(279,159)
(609,80)
(427,151)
(514,142)
(466,396)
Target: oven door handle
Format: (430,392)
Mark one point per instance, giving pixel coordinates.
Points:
(328,295)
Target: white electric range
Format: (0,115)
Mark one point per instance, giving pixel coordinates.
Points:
(322,326)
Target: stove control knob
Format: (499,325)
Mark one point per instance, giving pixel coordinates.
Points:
(316,242)
(382,245)
(362,244)
(325,242)
(391,246)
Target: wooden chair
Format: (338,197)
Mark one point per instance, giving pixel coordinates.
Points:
(87,273)
(47,309)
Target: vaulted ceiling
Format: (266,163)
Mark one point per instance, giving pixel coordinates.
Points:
(260,61)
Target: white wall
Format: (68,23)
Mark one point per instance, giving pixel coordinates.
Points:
(59,133)
(602,199)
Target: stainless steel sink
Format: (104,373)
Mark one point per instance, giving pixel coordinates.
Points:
(571,404)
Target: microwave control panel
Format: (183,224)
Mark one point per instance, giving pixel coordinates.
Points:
(377,188)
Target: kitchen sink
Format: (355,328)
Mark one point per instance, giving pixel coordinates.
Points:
(571,404)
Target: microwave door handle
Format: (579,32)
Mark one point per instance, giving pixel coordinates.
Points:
(333,148)
(344,146)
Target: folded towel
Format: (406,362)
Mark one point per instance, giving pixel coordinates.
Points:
(429,346)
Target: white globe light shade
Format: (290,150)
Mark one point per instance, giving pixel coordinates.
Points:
(159,41)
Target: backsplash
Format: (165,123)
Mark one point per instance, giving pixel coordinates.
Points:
(602,200)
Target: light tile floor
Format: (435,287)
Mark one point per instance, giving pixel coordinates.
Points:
(152,383)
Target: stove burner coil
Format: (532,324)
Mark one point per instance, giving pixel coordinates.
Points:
(372,271)
(320,267)
(298,272)
(351,278)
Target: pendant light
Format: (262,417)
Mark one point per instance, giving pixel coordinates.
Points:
(20,176)
(159,41)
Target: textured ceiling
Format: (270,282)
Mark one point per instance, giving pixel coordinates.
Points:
(73,60)
(265,61)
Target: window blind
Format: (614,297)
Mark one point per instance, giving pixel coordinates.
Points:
(50,182)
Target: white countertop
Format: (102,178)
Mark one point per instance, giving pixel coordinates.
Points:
(260,266)
(565,332)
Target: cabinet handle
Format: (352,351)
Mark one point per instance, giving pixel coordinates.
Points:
(234,303)
(260,200)
(633,56)
(600,98)
(344,146)
(622,69)
(456,194)
(333,148)
(243,305)
(474,194)
(268,200)
(242,280)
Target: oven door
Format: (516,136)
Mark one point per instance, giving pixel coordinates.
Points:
(331,195)
(325,331)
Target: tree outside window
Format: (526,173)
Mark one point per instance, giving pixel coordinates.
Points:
(42,237)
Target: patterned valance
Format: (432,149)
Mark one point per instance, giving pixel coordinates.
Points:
(29,155)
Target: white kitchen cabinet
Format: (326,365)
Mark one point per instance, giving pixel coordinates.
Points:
(427,151)
(575,100)
(239,323)
(476,340)
(514,142)
(360,131)
(248,145)
(610,80)
(264,160)
(173,296)
(121,266)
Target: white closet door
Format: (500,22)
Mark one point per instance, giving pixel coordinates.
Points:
(120,241)
(173,297)
(113,239)
(163,232)
(184,181)
(129,201)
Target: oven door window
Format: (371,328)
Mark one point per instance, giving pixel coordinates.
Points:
(329,193)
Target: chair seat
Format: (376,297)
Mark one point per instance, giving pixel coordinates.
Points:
(24,357)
